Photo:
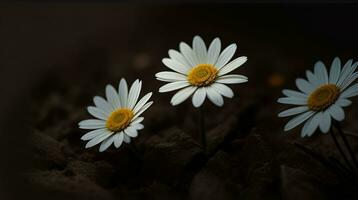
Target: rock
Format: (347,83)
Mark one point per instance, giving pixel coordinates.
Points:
(47,152)
(217,135)
(296,184)
(99,172)
(58,185)
(167,154)
(214,181)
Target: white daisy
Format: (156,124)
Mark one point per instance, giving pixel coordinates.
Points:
(321,97)
(118,117)
(201,72)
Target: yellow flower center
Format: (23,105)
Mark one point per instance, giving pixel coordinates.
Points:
(323,97)
(119,119)
(202,75)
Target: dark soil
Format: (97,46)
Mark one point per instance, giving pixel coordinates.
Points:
(73,52)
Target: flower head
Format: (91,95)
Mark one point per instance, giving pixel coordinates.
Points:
(118,117)
(201,72)
(321,97)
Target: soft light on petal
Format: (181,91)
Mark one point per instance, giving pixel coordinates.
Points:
(200,49)
(336,112)
(335,71)
(311,125)
(112,97)
(98,113)
(223,90)
(298,120)
(171,76)
(293,111)
(214,96)
(106,143)
(182,95)
(232,79)
(134,93)
(175,65)
(214,51)
(199,97)
(225,56)
(232,65)
(173,86)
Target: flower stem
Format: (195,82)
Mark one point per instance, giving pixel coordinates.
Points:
(202,127)
(346,143)
(340,149)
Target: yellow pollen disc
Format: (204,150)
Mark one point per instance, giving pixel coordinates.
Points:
(119,119)
(202,75)
(323,97)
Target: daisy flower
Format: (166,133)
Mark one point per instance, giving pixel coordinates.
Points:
(321,97)
(118,117)
(201,72)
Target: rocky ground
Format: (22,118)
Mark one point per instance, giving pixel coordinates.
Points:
(248,155)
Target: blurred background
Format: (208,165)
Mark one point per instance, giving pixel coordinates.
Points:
(55,58)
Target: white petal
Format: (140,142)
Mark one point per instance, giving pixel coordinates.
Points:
(171,76)
(321,72)
(102,104)
(141,110)
(112,97)
(293,111)
(98,139)
(92,134)
(175,65)
(312,79)
(349,80)
(325,123)
(304,86)
(232,79)
(126,138)
(137,126)
(123,92)
(292,101)
(173,86)
(92,124)
(298,120)
(346,70)
(350,92)
(343,102)
(106,143)
(175,55)
(214,96)
(182,95)
(214,51)
(336,112)
(134,93)
(311,125)
(200,49)
(188,54)
(137,120)
(98,113)
(335,71)
(142,102)
(118,139)
(232,65)
(223,90)
(225,56)
(132,132)
(199,97)
(292,93)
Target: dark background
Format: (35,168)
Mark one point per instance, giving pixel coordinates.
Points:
(55,58)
